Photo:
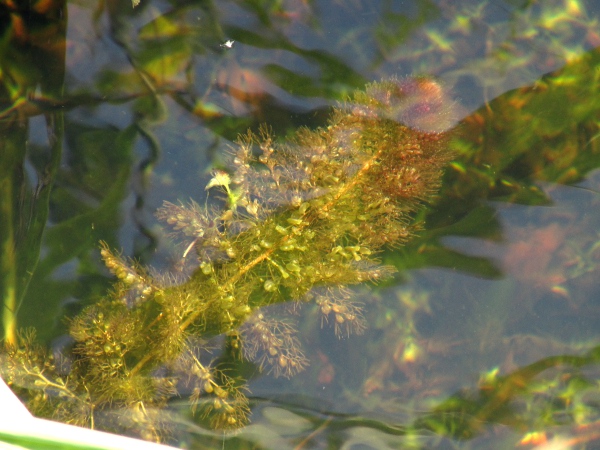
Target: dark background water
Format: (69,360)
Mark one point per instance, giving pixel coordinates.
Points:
(107,110)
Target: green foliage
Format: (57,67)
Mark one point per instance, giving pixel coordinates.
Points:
(299,221)
(24,208)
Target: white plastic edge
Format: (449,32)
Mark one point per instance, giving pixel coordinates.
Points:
(15,420)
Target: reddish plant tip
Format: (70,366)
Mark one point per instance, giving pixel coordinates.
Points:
(419,103)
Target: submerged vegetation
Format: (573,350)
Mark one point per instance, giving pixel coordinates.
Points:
(487,339)
(298,222)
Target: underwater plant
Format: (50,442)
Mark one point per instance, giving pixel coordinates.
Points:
(298,222)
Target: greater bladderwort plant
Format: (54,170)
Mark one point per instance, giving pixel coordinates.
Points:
(299,222)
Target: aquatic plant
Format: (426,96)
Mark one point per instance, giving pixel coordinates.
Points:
(298,222)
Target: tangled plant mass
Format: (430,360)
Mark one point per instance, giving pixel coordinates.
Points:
(300,221)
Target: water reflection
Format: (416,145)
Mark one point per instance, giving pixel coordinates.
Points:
(140,103)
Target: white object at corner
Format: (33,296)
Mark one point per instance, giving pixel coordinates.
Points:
(18,425)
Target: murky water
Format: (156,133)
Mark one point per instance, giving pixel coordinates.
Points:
(488,333)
